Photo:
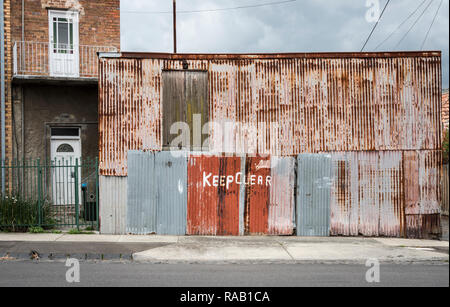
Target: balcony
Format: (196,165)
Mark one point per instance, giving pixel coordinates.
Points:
(34,60)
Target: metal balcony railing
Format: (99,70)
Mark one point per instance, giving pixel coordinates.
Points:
(56,60)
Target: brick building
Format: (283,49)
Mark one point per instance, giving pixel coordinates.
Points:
(445,110)
(51,61)
(51,68)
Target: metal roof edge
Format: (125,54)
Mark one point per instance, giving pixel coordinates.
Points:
(109,54)
(238,56)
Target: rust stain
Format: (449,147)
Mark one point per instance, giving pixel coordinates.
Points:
(258,181)
(319,103)
(378,114)
(368,195)
(213,195)
(427,226)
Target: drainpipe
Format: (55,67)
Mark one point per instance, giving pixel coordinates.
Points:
(23,21)
(2,72)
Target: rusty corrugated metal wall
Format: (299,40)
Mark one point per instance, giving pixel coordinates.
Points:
(322,103)
(378,115)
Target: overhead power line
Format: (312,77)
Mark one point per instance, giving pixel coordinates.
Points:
(211,10)
(401,25)
(414,24)
(375,26)
(432,23)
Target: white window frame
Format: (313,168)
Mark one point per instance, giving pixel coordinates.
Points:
(70,61)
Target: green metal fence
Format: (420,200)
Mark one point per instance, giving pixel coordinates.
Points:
(62,193)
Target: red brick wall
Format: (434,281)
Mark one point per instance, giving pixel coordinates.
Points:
(8,77)
(445,111)
(99,20)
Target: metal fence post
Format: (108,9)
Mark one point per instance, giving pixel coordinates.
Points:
(39,192)
(77,213)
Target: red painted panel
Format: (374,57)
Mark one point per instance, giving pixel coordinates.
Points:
(257,195)
(228,196)
(213,195)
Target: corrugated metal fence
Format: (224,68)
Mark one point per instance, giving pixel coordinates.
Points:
(157,193)
(445,193)
(390,194)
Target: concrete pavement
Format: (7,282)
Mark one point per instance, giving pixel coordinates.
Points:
(185,249)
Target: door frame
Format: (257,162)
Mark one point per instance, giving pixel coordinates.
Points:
(206,116)
(68,139)
(76,42)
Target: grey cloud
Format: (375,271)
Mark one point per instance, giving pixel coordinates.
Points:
(303,26)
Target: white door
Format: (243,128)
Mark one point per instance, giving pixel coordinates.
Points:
(64,44)
(65,153)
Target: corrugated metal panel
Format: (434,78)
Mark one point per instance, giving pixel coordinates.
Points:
(368,194)
(445,191)
(214,195)
(142,193)
(282,197)
(171,177)
(313,194)
(423,193)
(113,205)
(430,167)
(344,195)
(392,205)
(257,195)
(129,111)
(423,226)
(320,104)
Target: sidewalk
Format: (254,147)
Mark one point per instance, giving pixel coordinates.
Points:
(171,249)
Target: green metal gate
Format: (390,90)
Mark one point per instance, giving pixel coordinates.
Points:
(52,194)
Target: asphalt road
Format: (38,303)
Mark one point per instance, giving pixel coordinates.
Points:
(28,273)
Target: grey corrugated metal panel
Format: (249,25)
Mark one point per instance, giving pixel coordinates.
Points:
(321,104)
(314,182)
(142,193)
(171,176)
(113,204)
(282,197)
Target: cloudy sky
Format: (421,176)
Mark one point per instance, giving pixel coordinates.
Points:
(296,26)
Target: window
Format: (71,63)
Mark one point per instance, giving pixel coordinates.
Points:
(65,132)
(63,34)
(65,148)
